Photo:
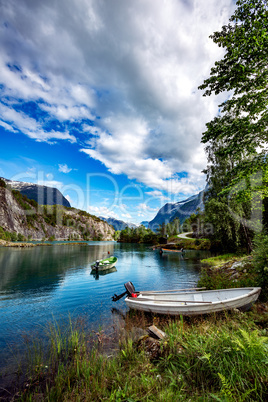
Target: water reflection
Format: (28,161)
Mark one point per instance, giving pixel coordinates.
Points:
(40,284)
(43,267)
(97,275)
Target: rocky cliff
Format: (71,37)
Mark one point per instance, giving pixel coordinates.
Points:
(24,217)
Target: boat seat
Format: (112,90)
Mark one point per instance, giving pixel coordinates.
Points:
(198,297)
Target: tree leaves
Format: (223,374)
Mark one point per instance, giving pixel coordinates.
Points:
(243,70)
(237,138)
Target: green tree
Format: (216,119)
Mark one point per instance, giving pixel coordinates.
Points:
(244,71)
(173,228)
(161,230)
(260,260)
(237,138)
(2,183)
(138,235)
(228,211)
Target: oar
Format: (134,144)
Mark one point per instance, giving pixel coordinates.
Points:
(168,291)
(168,301)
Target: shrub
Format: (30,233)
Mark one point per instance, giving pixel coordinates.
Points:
(260,262)
(21,237)
(8,236)
(2,183)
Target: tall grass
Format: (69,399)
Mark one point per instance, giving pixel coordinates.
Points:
(222,357)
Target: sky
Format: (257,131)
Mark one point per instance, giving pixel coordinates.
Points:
(100,99)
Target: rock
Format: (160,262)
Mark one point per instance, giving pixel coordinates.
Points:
(156,332)
(234,275)
(151,346)
(237,264)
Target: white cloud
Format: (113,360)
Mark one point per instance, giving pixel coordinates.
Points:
(128,216)
(64,168)
(102,211)
(7,127)
(154,193)
(145,207)
(29,126)
(50,183)
(135,64)
(157,194)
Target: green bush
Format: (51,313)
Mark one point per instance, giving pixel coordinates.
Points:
(22,200)
(87,215)
(260,262)
(2,183)
(8,236)
(21,237)
(13,236)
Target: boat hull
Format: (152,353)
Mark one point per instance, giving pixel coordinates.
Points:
(194,303)
(103,272)
(169,250)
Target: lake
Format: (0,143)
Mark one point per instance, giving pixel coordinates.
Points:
(46,283)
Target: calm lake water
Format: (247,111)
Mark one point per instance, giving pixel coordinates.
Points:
(42,284)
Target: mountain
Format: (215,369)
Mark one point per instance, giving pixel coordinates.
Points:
(22,218)
(43,195)
(181,210)
(145,224)
(117,224)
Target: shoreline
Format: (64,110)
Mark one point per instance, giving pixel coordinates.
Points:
(5,243)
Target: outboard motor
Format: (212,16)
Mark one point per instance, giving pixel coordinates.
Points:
(129,288)
(97,266)
(130,291)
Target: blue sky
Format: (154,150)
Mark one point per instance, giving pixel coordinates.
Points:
(100,99)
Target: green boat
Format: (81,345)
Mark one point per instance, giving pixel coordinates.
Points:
(102,265)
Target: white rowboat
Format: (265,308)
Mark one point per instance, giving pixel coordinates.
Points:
(193,302)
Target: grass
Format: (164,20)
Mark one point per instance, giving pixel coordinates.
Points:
(190,243)
(229,271)
(221,357)
(220,259)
